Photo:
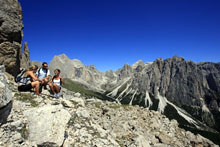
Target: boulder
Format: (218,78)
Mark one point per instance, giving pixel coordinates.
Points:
(47,124)
(5,93)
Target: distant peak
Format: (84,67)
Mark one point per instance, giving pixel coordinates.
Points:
(139,62)
(77,63)
(62,56)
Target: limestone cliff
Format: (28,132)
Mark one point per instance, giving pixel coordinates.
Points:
(11,34)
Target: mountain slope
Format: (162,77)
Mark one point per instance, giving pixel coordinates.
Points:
(183,90)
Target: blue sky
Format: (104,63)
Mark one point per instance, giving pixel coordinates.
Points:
(110,33)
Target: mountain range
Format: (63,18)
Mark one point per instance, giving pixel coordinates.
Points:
(183,90)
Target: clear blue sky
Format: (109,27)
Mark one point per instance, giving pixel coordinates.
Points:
(110,33)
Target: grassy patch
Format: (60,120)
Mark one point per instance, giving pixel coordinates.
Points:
(78,87)
(26,97)
(97,104)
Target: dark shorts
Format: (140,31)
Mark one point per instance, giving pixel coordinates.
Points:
(27,87)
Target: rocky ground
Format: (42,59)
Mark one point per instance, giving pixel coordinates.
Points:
(74,120)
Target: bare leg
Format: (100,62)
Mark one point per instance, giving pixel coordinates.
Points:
(44,82)
(57,88)
(52,88)
(36,85)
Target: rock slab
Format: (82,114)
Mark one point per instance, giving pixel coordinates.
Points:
(47,124)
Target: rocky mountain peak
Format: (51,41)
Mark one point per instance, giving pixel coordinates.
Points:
(25,58)
(77,63)
(138,63)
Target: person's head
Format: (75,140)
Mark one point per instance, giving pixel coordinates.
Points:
(44,65)
(33,68)
(56,72)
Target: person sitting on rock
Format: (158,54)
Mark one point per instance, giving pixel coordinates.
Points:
(55,83)
(29,80)
(43,74)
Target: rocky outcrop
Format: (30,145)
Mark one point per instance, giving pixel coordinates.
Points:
(25,59)
(5,96)
(5,93)
(10,35)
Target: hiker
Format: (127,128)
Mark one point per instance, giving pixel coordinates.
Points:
(28,80)
(43,74)
(55,83)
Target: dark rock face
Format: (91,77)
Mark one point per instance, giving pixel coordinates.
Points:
(10,35)
(195,86)
(183,81)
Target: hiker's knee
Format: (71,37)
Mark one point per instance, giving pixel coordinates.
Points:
(35,83)
(46,81)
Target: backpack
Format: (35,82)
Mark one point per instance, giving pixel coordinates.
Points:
(39,71)
(20,75)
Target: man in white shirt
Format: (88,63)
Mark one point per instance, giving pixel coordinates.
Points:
(43,74)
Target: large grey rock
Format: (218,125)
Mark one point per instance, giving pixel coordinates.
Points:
(10,35)
(5,96)
(5,93)
(47,124)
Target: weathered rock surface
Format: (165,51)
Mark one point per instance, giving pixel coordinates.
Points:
(47,124)
(5,96)
(5,93)
(11,26)
(25,60)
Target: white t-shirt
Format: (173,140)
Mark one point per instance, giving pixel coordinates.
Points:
(43,73)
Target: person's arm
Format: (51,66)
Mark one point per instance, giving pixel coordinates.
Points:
(62,80)
(37,73)
(51,80)
(48,75)
(31,74)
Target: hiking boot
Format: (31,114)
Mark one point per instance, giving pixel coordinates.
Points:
(58,95)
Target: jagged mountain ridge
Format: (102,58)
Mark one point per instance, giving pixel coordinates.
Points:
(190,89)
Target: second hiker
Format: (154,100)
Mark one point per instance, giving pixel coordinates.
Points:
(43,74)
